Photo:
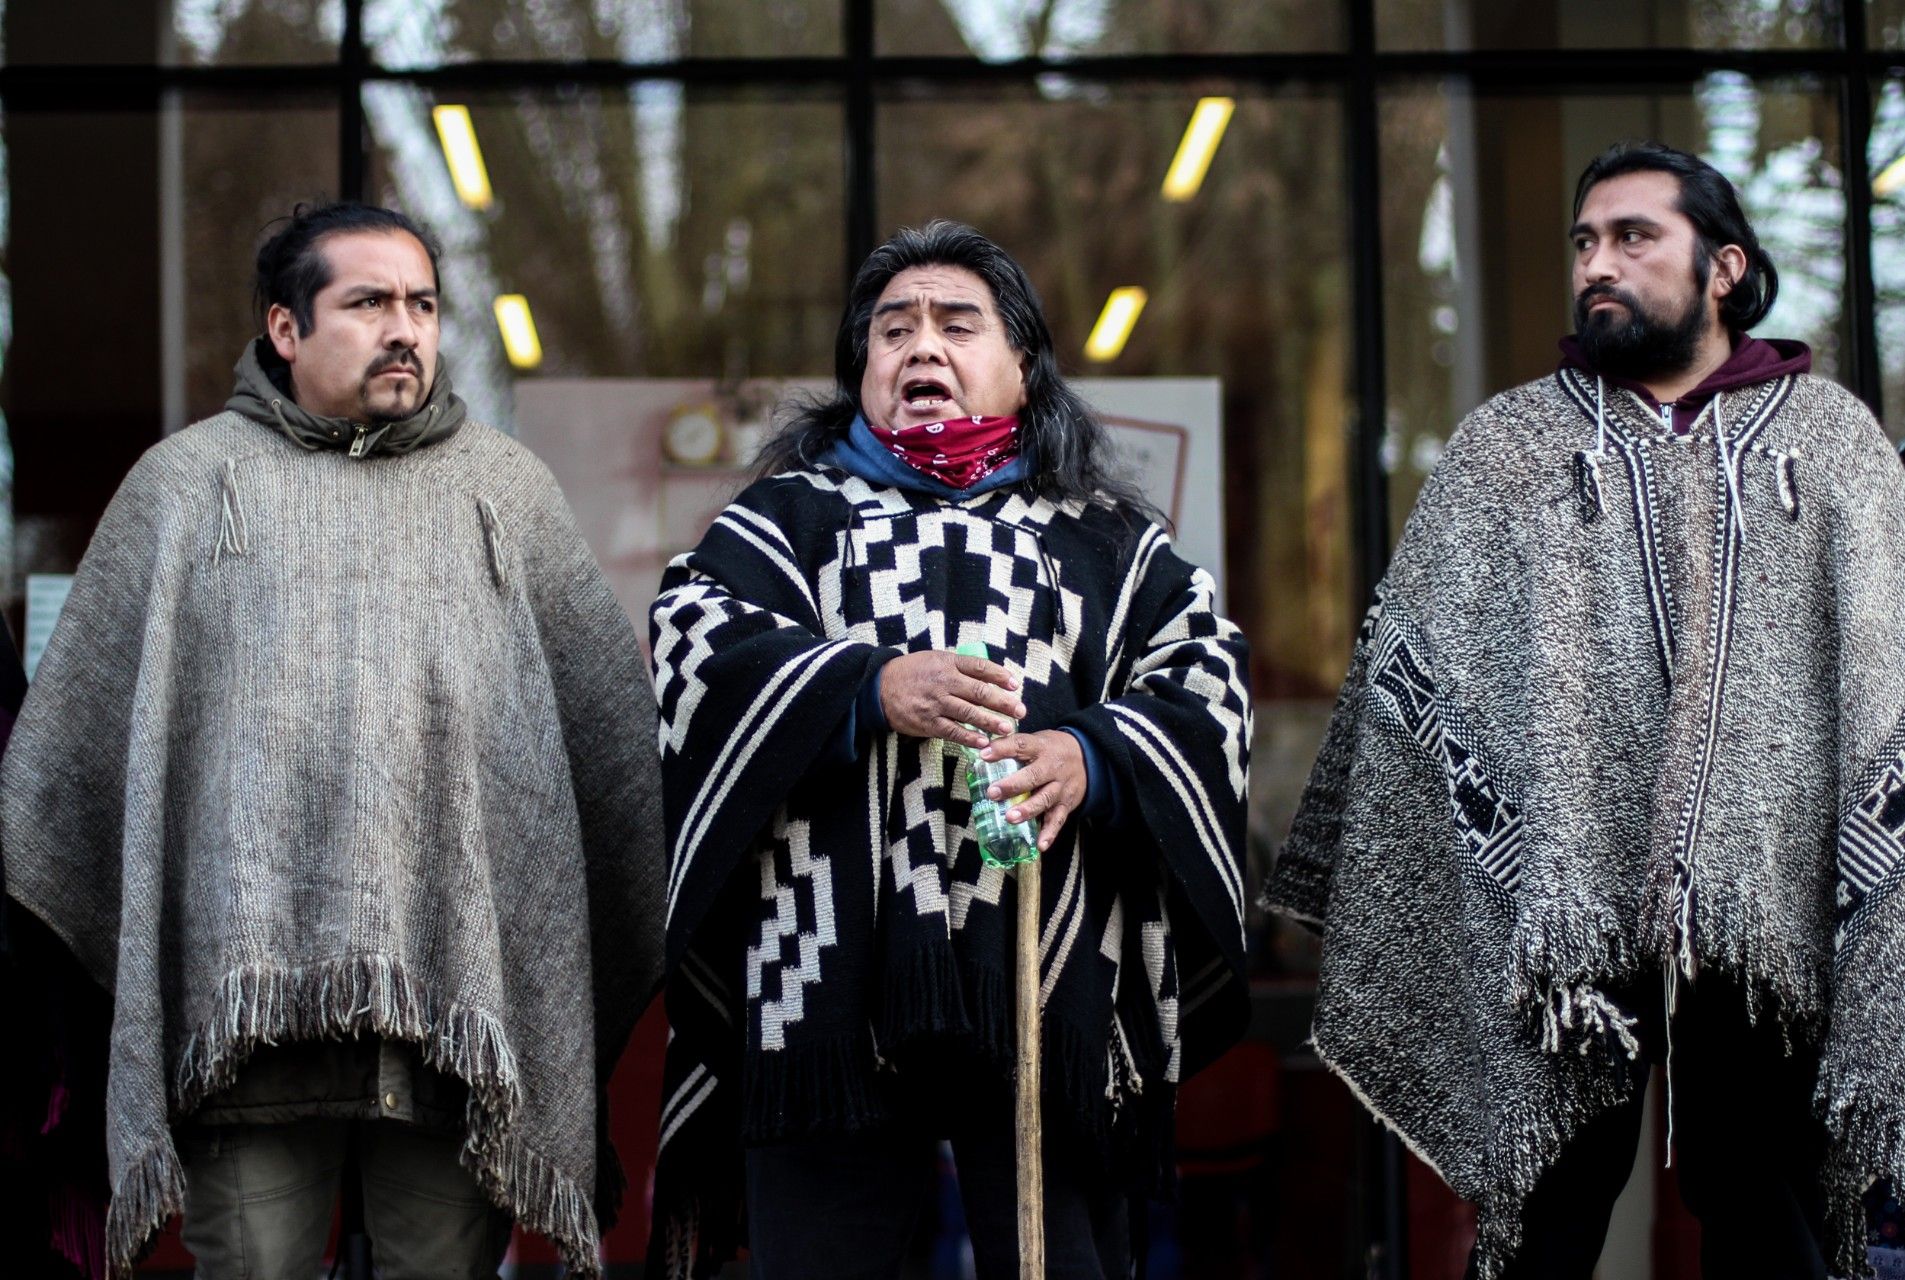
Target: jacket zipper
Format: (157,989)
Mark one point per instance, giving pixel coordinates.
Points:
(357,445)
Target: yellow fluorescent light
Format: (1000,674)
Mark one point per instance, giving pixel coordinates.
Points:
(464,157)
(1891,179)
(519,331)
(1114,323)
(1194,153)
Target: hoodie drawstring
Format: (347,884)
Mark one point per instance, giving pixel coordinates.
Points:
(234,536)
(1730,455)
(1729,468)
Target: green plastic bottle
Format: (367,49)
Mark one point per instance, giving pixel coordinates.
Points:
(1001,843)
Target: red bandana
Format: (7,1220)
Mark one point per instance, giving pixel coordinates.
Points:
(959,451)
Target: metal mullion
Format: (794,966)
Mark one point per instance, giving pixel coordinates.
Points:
(1382,1245)
(1364,143)
(1855,106)
(352,163)
(862,183)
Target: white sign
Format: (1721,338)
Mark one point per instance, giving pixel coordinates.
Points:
(1169,434)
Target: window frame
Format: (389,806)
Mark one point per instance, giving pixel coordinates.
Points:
(1359,72)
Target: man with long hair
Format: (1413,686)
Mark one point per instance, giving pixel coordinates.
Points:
(839,950)
(1617,778)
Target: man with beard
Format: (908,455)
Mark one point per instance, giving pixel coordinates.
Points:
(338,774)
(1617,777)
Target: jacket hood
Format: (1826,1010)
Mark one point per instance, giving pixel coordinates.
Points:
(261,395)
(1753,360)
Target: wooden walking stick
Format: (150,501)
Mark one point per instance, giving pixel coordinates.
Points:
(1015,846)
(1029,1130)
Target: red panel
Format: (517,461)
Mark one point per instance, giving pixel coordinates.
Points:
(1441,1226)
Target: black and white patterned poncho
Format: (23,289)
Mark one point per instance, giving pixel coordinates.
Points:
(827,923)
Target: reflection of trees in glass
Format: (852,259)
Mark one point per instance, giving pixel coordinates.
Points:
(1002,30)
(1766,24)
(1248,282)
(1794,194)
(1885,23)
(238,169)
(655,231)
(213,32)
(1547,24)
(1888,243)
(574,30)
(1420,271)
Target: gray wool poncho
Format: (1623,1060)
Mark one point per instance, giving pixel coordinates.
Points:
(328,745)
(1627,703)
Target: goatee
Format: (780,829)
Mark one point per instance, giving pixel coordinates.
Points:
(404,407)
(1639,344)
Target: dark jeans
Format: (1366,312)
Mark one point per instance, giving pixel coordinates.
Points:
(844,1208)
(1746,1151)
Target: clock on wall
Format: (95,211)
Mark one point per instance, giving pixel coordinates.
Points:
(694,436)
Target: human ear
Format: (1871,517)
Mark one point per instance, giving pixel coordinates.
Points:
(282,328)
(1729,268)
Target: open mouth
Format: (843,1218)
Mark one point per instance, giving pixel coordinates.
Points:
(925,393)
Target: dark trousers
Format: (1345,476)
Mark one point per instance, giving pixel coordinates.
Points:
(1746,1150)
(845,1208)
(258,1200)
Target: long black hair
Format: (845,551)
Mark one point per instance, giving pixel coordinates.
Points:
(1065,445)
(1711,204)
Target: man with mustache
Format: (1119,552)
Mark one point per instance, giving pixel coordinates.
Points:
(339,774)
(1617,778)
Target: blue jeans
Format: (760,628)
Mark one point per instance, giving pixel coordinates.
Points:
(259,1200)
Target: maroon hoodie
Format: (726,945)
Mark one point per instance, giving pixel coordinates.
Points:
(1753,360)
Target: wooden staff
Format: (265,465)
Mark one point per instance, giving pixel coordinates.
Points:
(1029,1130)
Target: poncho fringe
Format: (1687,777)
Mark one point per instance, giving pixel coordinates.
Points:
(259,1005)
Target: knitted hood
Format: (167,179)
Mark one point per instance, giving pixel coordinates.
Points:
(259,396)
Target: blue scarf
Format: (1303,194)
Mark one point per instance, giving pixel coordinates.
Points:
(858,453)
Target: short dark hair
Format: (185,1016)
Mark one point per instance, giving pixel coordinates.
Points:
(291,267)
(1708,201)
(1063,440)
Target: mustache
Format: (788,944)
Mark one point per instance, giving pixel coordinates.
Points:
(1595,292)
(407,357)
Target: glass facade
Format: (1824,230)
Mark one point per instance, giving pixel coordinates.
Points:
(678,191)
